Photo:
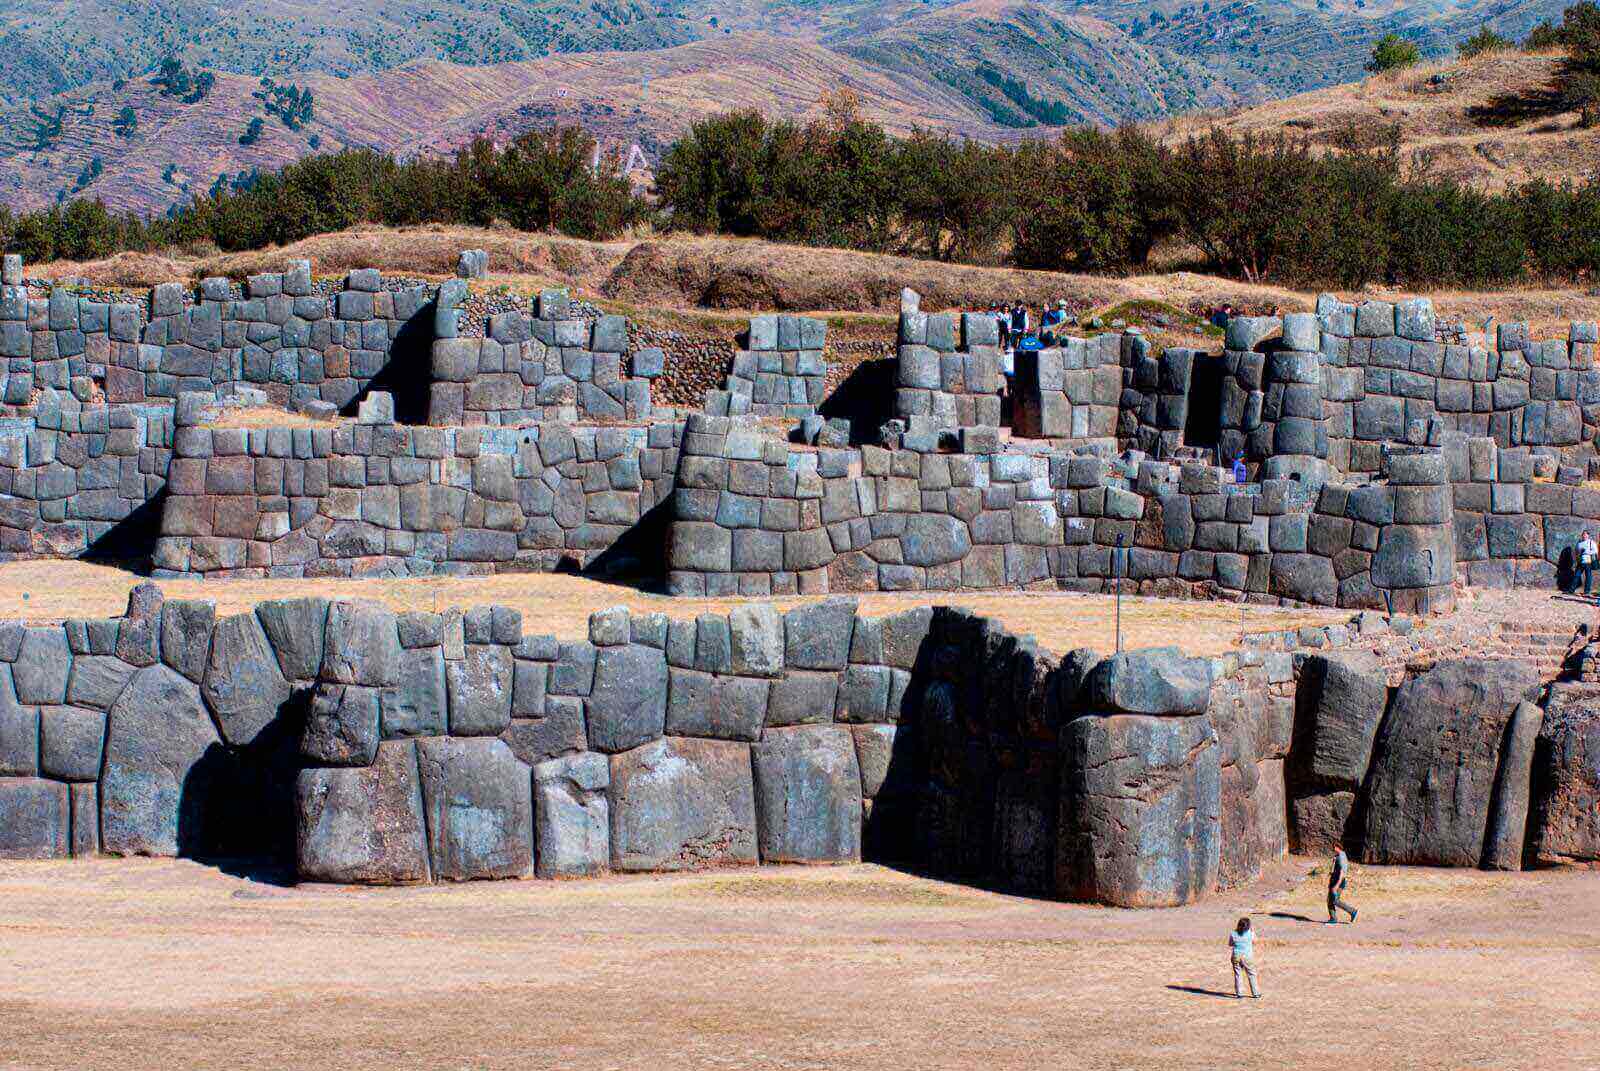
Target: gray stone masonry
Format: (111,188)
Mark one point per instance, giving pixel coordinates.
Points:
(780,372)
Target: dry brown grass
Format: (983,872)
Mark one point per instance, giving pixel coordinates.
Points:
(560,604)
(1483,123)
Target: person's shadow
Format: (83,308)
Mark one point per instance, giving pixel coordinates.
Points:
(1291,917)
(1199,992)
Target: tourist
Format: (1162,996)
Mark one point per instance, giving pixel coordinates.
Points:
(1052,319)
(1003,321)
(1240,473)
(1019,321)
(1242,949)
(1338,879)
(1588,551)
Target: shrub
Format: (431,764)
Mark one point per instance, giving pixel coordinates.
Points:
(1391,53)
(1482,43)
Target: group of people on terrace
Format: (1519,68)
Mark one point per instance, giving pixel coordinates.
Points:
(1016,324)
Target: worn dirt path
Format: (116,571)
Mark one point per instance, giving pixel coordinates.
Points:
(170,965)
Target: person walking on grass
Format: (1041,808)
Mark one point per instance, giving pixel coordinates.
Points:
(1242,951)
(1338,880)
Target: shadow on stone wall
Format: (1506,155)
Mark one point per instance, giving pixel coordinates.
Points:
(407,373)
(238,803)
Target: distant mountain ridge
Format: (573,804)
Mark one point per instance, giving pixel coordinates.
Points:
(81,116)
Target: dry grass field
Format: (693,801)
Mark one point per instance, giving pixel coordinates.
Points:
(171,965)
(560,604)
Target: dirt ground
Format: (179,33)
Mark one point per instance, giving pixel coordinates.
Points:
(560,604)
(169,964)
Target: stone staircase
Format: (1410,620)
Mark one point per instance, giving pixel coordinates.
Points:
(1541,643)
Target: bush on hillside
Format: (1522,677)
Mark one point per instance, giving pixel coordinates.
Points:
(1482,43)
(1393,52)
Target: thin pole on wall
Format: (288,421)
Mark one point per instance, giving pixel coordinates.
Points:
(1116,573)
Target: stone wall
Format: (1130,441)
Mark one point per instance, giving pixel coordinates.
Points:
(1515,525)
(394,500)
(78,479)
(780,372)
(375,747)
(1072,391)
(949,370)
(1336,386)
(551,366)
(752,516)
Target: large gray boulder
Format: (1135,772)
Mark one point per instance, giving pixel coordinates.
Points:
(935,539)
(817,635)
(154,788)
(1436,759)
(19,731)
(419,704)
(363,824)
(808,795)
(342,725)
(1159,680)
(1140,807)
(1567,815)
(361,644)
(1344,697)
(35,819)
(1508,821)
(724,708)
(186,626)
(243,683)
(681,804)
(43,666)
(479,806)
(628,706)
(480,687)
(572,818)
(97,680)
(296,628)
(71,743)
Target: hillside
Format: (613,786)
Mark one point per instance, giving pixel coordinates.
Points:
(1487,122)
(179,149)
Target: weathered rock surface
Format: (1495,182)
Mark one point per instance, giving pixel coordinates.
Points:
(342,726)
(479,806)
(19,731)
(1567,771)
(1140,807)
(35,819)
(363,824)
(1508,820)
(1318,824)
(1160,680)
(572,817)
(154,789)
(361,644)
(628,706)
(242,683)
(296,628)
(679,804)
(1436,760)
(808,793)
(480,690)
(1343,698)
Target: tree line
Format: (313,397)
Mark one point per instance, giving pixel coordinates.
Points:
(1256,207)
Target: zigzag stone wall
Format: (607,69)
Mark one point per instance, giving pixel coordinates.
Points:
(371,747)
(753,516)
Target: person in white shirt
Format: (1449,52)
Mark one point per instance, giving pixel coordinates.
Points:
(1588,552)
(1242,952)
